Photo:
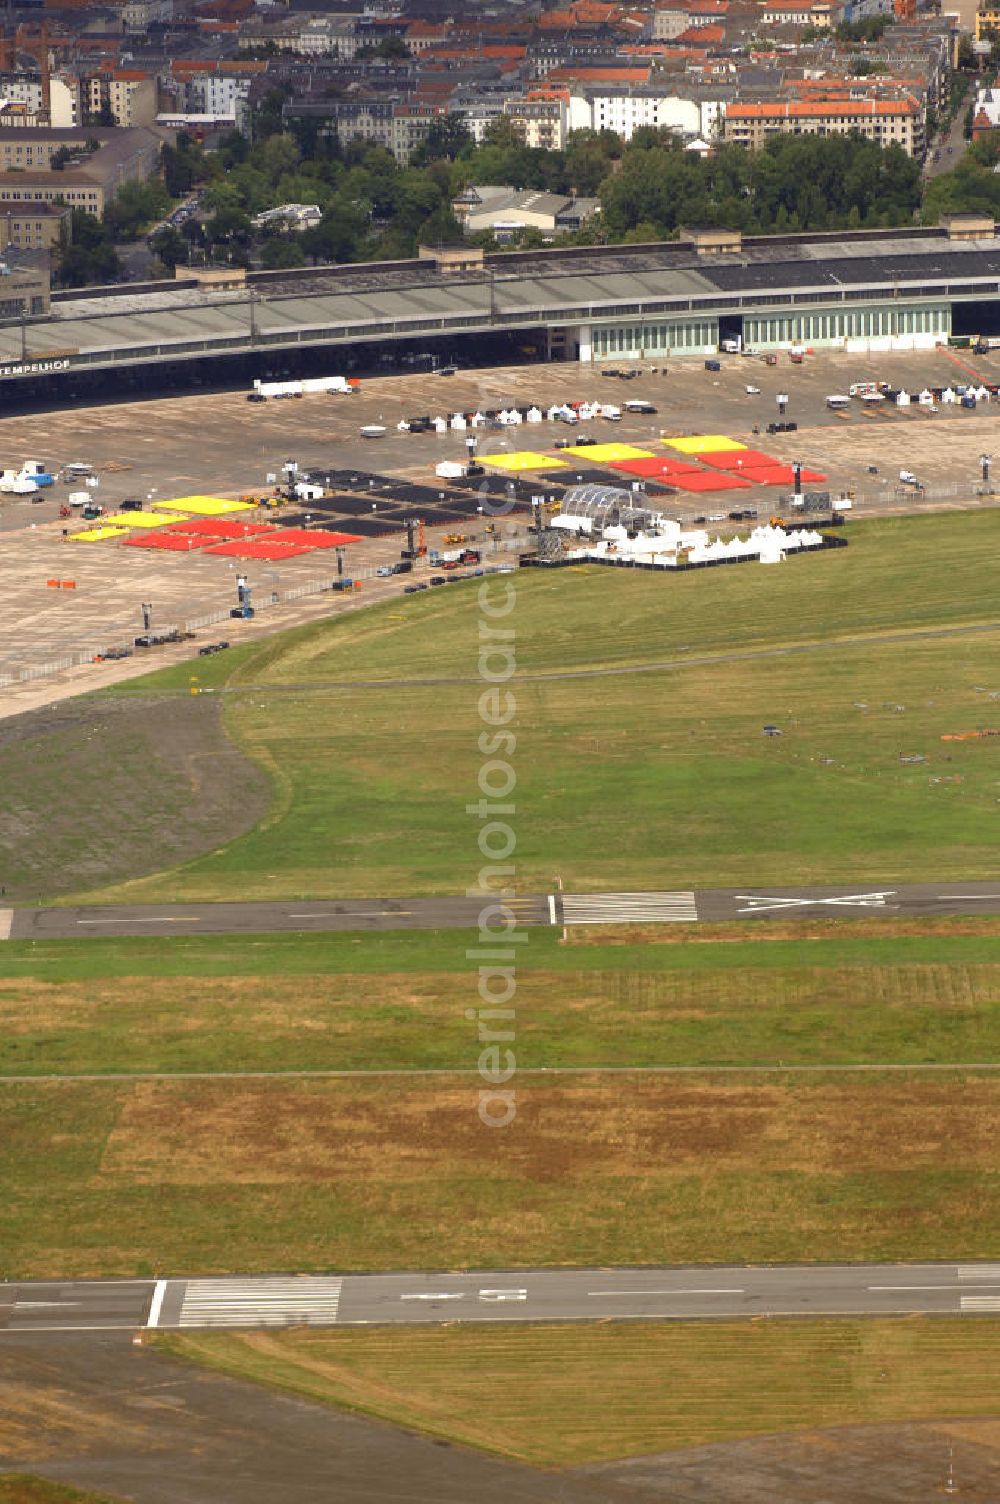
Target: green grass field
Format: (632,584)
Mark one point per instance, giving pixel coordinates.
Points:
(565,1395)
(725,1003)
(625,778)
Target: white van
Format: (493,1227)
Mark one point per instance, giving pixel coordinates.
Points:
(838,401)
(639,405)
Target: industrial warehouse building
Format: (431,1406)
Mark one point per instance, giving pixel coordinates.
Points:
(863,290)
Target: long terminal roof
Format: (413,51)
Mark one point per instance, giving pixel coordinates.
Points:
(345,303)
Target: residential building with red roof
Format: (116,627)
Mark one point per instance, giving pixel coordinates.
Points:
(898,122)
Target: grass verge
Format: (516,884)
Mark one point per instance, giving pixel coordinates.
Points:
(565,1395)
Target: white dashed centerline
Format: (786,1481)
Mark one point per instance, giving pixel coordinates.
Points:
(162,919)
(639,1294)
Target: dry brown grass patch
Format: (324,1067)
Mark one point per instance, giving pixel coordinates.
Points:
(582,1130)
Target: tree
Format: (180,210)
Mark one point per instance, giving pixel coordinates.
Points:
(282,251)
(169,244)
(447,137)
(278,154)
(134,206)
(266,119)
(338,234)
(90,258)
(228,226)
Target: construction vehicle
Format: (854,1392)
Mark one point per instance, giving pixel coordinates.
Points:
(454,537)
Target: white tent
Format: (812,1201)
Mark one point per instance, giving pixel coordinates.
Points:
(440,425)
(926,398)
(458,423)
(534,415)
(903,400)
(948,395)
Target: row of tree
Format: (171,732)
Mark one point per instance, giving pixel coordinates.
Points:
(374,208)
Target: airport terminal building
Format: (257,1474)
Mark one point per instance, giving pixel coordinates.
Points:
(857,290)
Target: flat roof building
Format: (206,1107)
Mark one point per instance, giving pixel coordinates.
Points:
(858,291)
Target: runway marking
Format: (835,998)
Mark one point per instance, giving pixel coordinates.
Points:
(74,1326)
(6,921)
(914,1287)
(44,1305)
(629,908)
(980,1302)
(498,1295)
(156,1304)
(552,909)
(304,1299)
(642,1293)
(355,914)
(758,904)
(432,1295)
(983,897)
(164,919)
(979,1271)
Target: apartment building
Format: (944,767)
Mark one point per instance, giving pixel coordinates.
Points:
(305,36)
(36,226)
(24,93)
(104,158)
(816,13)
(24,283)
(542,123)
(690,113)
(987,23)
(129,93)
(898,122)
(215,89)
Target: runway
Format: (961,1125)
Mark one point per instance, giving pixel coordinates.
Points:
(674,1293)
(709,906)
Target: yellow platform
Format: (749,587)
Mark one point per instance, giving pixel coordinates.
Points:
(144,519)
(608,454)
(203,506)
(524,459)
(97,534)
(704,443)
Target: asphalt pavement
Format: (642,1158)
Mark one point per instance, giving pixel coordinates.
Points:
(108,1306)
(711,905)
